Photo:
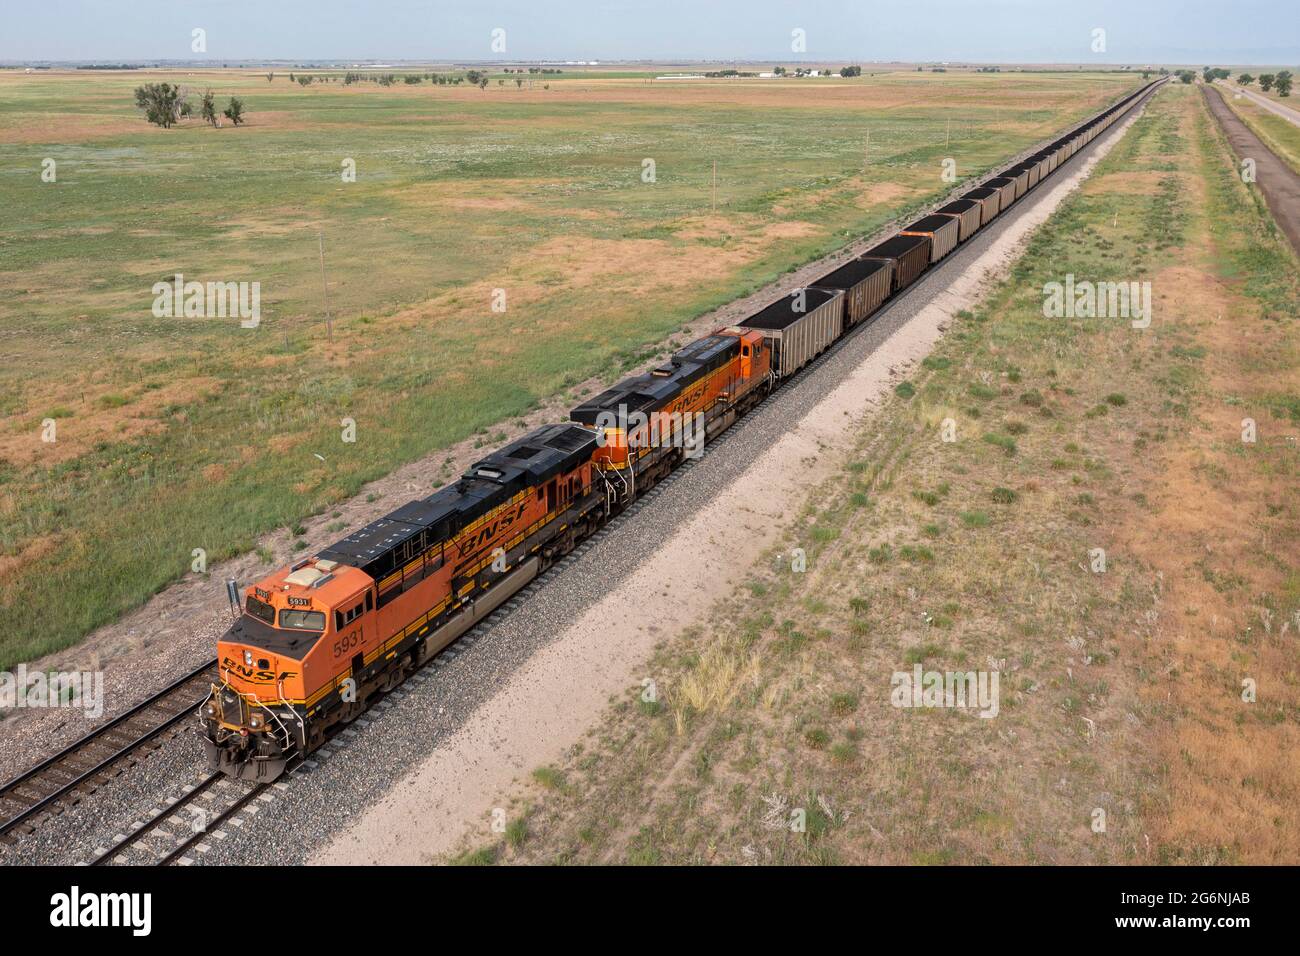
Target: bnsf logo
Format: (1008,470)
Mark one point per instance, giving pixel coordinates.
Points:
(489,531)
(255,674)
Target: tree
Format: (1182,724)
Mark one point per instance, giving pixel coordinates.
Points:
(1245,79)
(778,70)
(270,77)
(1266,81)
(851,71)
(208,109)
(235,111)
(163,104)
(1283,83)
(1186,76)
(482,83)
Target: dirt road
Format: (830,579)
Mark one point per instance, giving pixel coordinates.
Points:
(1276,180)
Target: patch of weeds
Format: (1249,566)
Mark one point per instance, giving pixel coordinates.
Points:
(905,390)
(1005,442)
(549,778)
(844,753)
(844,704)
(484,856)
(816,738)
(921,654)
(1004,496)
(517,832)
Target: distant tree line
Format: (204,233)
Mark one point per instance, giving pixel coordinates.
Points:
(1267,81)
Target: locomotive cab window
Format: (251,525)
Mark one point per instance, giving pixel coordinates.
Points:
(302,620)
(343,618)
(260,610)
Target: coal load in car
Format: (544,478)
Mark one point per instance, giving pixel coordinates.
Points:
(942,231)
(967,213)
(909,254)
(865,283)
(990,201)
(798,327)
(1006,187)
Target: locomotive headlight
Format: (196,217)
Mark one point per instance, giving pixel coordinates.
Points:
(248,658)
(256,721)
(210,711)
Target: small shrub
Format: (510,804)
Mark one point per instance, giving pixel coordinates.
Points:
(1004,496)
(1005,442)
(844,704)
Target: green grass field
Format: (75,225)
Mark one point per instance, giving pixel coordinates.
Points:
(175,434)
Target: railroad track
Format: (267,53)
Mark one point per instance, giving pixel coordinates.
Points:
(182,824)
(87,764)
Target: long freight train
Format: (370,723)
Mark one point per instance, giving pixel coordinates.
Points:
(316,641)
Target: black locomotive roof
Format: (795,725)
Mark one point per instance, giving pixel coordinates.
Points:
(851,273)
(958,206)
(532,460)
(709,353)
(641,393)
(896,247)
(781,313)
(647,393)
(980,192)
(932,223)
(536,458)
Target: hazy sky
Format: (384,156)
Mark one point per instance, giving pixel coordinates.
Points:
(1137,31)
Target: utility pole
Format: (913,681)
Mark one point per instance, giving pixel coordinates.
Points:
(325,289)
